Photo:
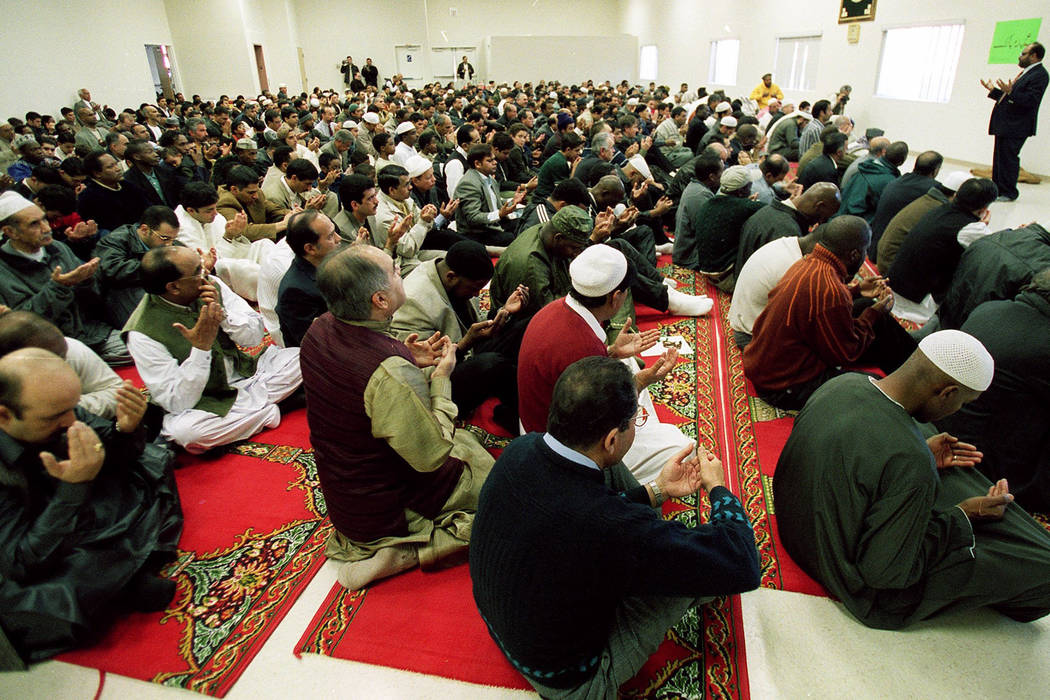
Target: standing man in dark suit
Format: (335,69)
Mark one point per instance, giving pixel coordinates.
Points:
(1014,117)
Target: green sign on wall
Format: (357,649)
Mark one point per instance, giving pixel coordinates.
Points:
(1012,36)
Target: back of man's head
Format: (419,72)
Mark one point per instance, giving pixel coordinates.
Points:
(592,397)
(833,142)
(347,280)
(300,231)
(196,195)
(897,153)
(158,269)
(775,165)
(463,134)
(159,214)
(302,170)
(975,194)
(572,191)
(928,163)
(845,234)
(29,364)
(878,145)
(352,188)
(25,329)
(707,166)
(819,107)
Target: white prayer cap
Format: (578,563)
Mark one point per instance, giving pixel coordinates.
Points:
(404,128)
(734,178)
(632,101)
(723,107)
(961,356)
(11,203)
(283,85)
(314,102)
(371,117)
(638,163)
(417,165)
(955,180)
(552,95)
(668,100)
(598,270)
(728,121)
(349,124)
(805,115)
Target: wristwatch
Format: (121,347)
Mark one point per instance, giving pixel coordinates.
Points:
(656,492)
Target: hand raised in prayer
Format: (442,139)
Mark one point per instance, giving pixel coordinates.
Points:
(208,260)
(1005,85)
(647,143)
(83,230)
(428,213)
(637,191)
(213,151)
(327,180)
(884,303)
(398,228)
(517,300)
(711,472)
(663,205)
(226,148)
(447,362)
(77,275)
(629,343)
(871,287)
(316,202)
(86,455)
(626,217)
(949,452)
(131,407)
(743,158)
(532,184)
(680,477)
(603,226)
(991,506)
(659,370)
(236,226)
(476,332)
(987,85)
(426,353)
(632,150)
(204,332)
(364,236)
(208,294)
(449,209)
(314,144)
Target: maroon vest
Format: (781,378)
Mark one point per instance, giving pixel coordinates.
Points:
(366,484)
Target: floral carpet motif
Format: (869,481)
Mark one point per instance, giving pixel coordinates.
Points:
(228,599)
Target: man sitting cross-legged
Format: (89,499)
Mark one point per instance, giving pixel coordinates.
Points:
(184,336)
(90,510)
(574,572)
(897,525)
(401,483)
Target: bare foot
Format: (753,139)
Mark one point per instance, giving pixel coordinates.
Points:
(354,575)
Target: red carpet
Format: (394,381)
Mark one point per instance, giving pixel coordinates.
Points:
(428,623)
(254,537)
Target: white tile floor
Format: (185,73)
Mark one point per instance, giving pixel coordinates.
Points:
(797,645)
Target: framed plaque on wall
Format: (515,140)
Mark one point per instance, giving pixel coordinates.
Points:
(856,11)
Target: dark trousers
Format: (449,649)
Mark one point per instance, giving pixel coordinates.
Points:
(482,375)
(648,286)
(1006,164)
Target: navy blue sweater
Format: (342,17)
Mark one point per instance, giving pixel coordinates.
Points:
(554,551)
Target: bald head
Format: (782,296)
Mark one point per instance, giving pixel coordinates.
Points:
(845,235)
(878,145)
(23,329)
(608,192)
(34,380)
(929,163)
(819,202)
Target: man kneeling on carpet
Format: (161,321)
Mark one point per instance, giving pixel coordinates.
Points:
(186,336)
(897,525)
(579,618)
(401,483)
(90,511)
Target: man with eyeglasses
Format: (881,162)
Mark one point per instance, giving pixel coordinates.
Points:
(186,337)
(120,256)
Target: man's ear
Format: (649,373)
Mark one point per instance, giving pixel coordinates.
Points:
(6,416)
(608,443)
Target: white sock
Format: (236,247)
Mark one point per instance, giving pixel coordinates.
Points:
(670,283)
(354,575)
(680,304)
(665,248)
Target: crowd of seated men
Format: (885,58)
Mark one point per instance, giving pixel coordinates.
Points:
(248,255)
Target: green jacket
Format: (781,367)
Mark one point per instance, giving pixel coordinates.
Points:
(860,196)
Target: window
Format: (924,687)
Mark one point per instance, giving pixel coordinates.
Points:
(647,63)
(724,55)
(796,64)
(919,63)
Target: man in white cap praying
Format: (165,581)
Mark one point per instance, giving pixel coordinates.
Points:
(572,328)
(405,136)
(898,525)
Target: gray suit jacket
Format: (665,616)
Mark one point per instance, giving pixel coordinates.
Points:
(275,191)
(474,207)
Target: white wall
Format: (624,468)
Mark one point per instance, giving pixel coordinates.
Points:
(47,54)
(371,28)
(211,48)
(957,129)
(569,59)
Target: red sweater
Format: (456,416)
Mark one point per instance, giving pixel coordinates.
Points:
(807,326)
(556,337)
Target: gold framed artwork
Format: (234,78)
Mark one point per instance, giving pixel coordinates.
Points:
(856,11)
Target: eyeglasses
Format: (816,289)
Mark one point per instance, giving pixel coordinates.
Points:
(640,417)
(198,274)
(162,237)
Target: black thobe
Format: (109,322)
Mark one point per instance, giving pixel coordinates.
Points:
(862,508)
(67,551)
